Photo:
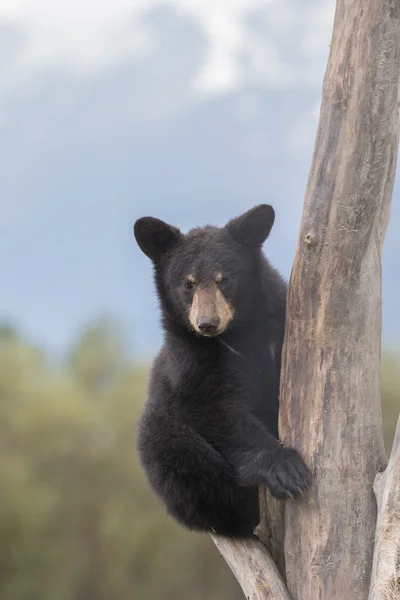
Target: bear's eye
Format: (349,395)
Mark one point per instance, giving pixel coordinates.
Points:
(189,284)
(224,280)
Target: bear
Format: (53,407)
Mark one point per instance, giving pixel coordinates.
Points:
(208,433)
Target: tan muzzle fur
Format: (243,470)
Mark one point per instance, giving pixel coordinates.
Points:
(209,303)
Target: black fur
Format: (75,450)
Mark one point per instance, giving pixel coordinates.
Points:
(208,433)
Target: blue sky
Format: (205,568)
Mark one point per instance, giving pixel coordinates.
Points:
(191,111)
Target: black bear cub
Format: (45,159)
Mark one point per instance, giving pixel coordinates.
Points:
(208,435)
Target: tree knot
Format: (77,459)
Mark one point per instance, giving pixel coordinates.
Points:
(309,240)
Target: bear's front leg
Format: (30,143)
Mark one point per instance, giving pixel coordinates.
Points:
(258,457)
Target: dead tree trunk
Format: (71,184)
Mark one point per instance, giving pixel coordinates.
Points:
(330,401)
(385,580)
(330,392)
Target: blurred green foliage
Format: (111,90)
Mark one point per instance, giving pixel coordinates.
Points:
(390,388)
(77,520)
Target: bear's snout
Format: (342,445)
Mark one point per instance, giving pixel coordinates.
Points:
(210,312)
(208,325)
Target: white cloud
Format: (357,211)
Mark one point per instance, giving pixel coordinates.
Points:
(83,36)
(87,35)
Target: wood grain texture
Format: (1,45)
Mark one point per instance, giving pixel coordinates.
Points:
(330,398)
(253,567)
(271,530)
(385,581)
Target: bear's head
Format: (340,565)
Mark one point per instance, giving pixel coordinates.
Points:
(207,279)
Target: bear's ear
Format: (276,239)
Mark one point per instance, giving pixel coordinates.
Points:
(154,237)
(253,228)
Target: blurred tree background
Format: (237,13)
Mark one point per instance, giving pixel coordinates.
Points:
(77,520)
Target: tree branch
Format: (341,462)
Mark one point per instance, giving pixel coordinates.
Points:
(385,582)
(253,567)
(271,530)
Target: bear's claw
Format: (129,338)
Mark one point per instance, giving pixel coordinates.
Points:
(288,476)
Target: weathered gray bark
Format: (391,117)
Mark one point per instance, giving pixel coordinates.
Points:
(271,530)
(330,384)
(253,567)
(385,581)
(330,400)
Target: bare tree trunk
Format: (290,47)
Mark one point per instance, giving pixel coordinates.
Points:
(385,583)
(330,382)
(330,401)
(271,530)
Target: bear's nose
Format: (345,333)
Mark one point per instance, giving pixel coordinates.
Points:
(208,325)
